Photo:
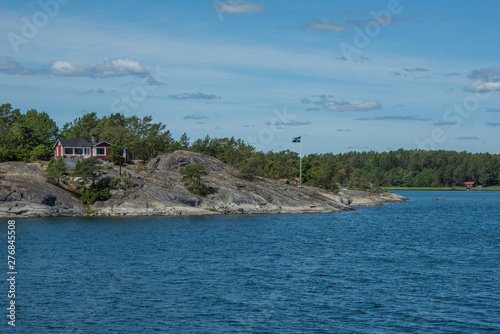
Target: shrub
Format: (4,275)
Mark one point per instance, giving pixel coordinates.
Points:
(94,194)
(5,154)
(114,183)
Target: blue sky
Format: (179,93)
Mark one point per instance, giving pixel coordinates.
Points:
(345,75)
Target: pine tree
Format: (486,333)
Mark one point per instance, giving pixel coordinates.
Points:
(191,176)
(88,169)
(55,170)
(116,153)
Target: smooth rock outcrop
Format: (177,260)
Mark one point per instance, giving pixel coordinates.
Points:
(157,189)
(365,198)
(24,192)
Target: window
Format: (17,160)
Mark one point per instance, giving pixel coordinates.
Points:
(100,151)
(68,150)
(78,150)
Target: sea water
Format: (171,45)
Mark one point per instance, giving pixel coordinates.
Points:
(424,266)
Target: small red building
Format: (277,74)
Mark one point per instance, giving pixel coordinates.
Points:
(469,184)
(81,149)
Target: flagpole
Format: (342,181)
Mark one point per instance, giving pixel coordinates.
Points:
(300,155)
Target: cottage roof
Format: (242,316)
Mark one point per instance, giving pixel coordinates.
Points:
(79,143)
(76,142)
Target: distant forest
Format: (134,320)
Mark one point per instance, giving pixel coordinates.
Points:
(30,137)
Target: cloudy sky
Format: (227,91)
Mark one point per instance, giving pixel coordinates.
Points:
(345,75)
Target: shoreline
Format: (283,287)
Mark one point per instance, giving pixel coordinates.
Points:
(159,191)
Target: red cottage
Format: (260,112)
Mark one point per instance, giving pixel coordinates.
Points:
(81,149)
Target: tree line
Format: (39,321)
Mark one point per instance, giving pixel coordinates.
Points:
(30,136)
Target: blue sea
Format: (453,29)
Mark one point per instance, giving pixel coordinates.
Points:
(423,266)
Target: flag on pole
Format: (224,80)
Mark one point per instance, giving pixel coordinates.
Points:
(299,140)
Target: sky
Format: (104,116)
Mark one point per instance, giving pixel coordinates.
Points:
(344,75)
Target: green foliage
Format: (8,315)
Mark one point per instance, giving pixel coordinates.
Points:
(5,154)
(88,169)
(42,127)
(192,176)
(41,152)
(411,168)
(81,127)
(359,170)
(116,153)
(113,128)
(142,136)
(115,182)
(184,141)
(21,133)
(55,170)
(93,194)
(29,136)
(255,165)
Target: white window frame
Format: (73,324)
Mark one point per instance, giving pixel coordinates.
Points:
(85,150)
(101,155)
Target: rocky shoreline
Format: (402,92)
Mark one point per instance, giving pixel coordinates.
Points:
(156,189)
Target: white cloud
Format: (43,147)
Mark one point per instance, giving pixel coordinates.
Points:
(67,69)
(237,7)
(480,86)
(486,79)
(108,69)
(353,106)
(119,67)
